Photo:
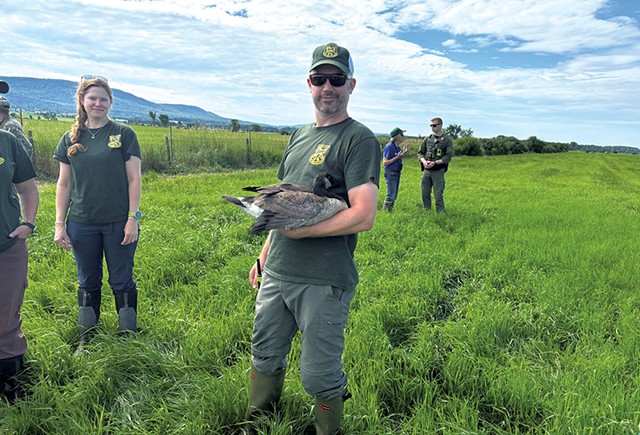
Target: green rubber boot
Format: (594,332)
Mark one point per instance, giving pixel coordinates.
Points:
(328,414)
(264,395)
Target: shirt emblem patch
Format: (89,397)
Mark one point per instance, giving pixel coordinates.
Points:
(114,141)
(317,158)
(1,160)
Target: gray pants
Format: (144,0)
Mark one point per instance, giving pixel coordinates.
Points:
(320,313)
(13,282)
(432,179)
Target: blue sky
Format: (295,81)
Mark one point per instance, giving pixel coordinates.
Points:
(561,70)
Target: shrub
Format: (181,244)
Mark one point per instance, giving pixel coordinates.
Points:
(468,146)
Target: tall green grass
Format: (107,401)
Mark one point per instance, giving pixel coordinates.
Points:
(516,311)
(171,150)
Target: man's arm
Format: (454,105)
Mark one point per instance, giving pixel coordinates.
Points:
(28,192)
(422,154)
(359,217)
(448,151)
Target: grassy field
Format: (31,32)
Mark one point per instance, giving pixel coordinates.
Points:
(175,150)
(517,311)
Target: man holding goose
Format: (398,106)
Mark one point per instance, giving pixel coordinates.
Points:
(308,273)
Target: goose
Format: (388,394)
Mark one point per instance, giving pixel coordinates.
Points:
(288,205)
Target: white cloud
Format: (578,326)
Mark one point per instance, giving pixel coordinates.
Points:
(247,59)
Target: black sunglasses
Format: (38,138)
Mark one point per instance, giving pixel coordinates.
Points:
(434,125)
(336,80)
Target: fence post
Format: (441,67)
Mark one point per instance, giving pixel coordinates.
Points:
(249,154)
(166,142)
(171,140)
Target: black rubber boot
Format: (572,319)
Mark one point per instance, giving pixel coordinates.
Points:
(88,310)
(328,414)
(10,384)
(88,315)
(388,206)
(127,308)
(264,395)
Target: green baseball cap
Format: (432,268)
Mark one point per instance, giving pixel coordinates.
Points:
(332,54)
(396,131)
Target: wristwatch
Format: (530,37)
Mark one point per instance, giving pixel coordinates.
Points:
(135,214)
(30,225)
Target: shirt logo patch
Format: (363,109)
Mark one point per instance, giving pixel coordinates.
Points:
(1,160)
(114,141)
(317,158)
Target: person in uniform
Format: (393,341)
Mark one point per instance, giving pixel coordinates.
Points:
(13,126)
(309,273)
(435,154)
(392,162)
(97,204)
(17,222)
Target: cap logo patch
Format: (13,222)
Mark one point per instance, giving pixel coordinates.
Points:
(317,158)
(330,51)
(114,141)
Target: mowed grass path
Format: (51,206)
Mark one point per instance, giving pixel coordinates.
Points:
(517,311)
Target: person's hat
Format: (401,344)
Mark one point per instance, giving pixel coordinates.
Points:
(396,131)
(4,87)
(332,54)
(4,104)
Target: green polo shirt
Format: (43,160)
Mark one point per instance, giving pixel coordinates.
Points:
(15,167)
(100,192)
(348,151)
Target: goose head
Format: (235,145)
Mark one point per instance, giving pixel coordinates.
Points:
(322,183)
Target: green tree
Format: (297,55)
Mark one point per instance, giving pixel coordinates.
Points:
(467,146)
(152,115)
(454,131)
(234,125)
(255,127)
(536,145)
(164,120)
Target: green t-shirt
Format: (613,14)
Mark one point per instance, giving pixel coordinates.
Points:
(349,152)
(15,167)
(100,192)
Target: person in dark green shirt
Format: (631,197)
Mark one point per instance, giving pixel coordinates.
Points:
(97,204)
(13,126)
(436,151)
(309,273)
(17,218)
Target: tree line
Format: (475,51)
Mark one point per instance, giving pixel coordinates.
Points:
(467,145)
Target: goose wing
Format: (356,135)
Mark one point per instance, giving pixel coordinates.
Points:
(277,188)
(293,209)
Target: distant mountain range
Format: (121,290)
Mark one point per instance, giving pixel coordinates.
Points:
(57,97)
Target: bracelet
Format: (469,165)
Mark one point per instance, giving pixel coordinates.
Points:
(59,223)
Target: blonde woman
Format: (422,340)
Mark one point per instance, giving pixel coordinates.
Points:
(97,203)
